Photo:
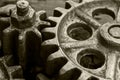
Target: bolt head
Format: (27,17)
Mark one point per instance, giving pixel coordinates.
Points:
(22,4)
(25,21)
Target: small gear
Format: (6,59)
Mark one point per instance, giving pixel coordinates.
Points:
(22,38)
(87,34)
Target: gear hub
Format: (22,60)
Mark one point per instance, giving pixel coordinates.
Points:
(88,35)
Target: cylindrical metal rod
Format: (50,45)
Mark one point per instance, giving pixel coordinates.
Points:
(22,7)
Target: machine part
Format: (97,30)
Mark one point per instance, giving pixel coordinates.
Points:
(21,23)
(22,38)
(4,18)
(9,71)
(87,34)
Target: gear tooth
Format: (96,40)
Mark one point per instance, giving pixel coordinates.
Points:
(53,66)
(15,71)
(72,74)
(51,30)
(7,8)
(22,49)
(67,67)
(59,11)
(9,37)
(38,33)
(68,70)
(42,15)
(70,4)
(56,54)
(50,42)
(54,19)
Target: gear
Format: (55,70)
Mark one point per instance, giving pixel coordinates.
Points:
(23,38)
(9,71)
(87,34)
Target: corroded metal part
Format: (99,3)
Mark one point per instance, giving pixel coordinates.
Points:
(23,38)
(87,34)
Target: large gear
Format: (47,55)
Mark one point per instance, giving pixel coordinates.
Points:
(87,34)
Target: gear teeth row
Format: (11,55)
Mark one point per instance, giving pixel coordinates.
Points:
(36,32)
(22,38)
(56,56)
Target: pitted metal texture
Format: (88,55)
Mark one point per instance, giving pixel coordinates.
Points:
(85,41)
(87,34)
(22,37)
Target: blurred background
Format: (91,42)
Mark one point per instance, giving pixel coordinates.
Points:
(47,5)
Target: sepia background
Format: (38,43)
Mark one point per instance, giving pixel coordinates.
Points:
(47,5)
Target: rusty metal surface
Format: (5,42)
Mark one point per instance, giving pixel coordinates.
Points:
(88,36)
(78,42)
(23,38)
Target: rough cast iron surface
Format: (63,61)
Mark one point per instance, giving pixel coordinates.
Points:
(82,44)
(87,34)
